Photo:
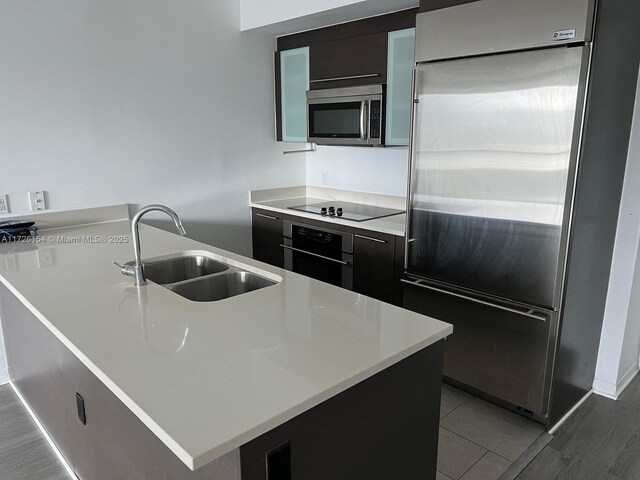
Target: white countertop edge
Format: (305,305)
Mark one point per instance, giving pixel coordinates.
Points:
(199,460)
(75,217)
(327,194)
(187,459)
(278,420)
(373,227)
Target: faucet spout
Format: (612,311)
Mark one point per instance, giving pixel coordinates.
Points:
(138,268)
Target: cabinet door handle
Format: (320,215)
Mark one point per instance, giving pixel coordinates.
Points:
(266,216)
(349,77)
(364,237)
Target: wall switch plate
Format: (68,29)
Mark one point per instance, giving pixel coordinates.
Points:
(36,200)
(4,203)
(324,178)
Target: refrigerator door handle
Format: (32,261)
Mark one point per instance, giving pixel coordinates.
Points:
(527,313)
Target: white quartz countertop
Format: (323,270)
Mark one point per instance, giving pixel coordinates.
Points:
(206,377)
(393,225)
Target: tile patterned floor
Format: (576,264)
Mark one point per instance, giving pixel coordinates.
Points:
(478,440)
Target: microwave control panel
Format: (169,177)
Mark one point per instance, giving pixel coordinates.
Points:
(375,118)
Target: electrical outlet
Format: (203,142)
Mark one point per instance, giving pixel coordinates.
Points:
(4,203)
(36,200)
(324,178)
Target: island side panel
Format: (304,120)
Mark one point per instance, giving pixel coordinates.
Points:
(114,444)
(384,427)
(35,369)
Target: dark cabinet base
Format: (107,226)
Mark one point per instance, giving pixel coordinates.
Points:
(267,237)
(385,427)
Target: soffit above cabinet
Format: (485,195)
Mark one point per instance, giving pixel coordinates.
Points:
(399,20)
(282,17)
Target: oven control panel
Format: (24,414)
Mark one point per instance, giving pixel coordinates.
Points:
(315,236)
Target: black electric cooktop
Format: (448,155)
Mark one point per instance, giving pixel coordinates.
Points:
(349,211)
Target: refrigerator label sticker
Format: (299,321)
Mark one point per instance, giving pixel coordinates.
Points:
(564,34)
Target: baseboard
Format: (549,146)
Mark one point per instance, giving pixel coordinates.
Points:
(555,428)
(613,391)
(605,389)
(44,432)
(626,379)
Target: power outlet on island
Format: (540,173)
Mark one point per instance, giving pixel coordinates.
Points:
(37,201)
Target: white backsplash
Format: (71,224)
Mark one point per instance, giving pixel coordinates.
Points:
(364,169)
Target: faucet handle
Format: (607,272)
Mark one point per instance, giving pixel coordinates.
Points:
(127,270)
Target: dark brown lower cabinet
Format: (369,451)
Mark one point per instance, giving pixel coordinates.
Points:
(378,258)
(266,233)
(374,264)
(384,427)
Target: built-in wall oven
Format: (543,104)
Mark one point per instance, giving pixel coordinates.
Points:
(319,252)
(346,116)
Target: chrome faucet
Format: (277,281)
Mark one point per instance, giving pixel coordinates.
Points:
(137,270)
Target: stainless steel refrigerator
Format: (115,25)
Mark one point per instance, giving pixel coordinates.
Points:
(497,128)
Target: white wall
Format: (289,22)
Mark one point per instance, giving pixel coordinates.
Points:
(145,101)
(140,101)
(364,169)
(620,341)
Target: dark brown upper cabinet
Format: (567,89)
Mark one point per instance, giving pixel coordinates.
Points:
(350,54)
(350,62)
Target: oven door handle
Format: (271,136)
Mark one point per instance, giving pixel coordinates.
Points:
(341,262)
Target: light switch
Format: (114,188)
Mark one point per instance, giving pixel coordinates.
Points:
(36,200)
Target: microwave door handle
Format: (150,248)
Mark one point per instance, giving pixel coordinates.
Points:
(363,118)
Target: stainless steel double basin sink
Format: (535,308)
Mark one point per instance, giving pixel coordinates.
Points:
(200,278)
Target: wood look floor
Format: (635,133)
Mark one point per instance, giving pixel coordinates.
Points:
(24,452)
(601,441)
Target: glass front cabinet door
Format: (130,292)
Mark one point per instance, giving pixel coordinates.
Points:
(400,61)
(294,83)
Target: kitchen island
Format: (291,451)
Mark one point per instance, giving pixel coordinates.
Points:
(144,383)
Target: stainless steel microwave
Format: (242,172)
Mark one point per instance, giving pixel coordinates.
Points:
(346,116)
